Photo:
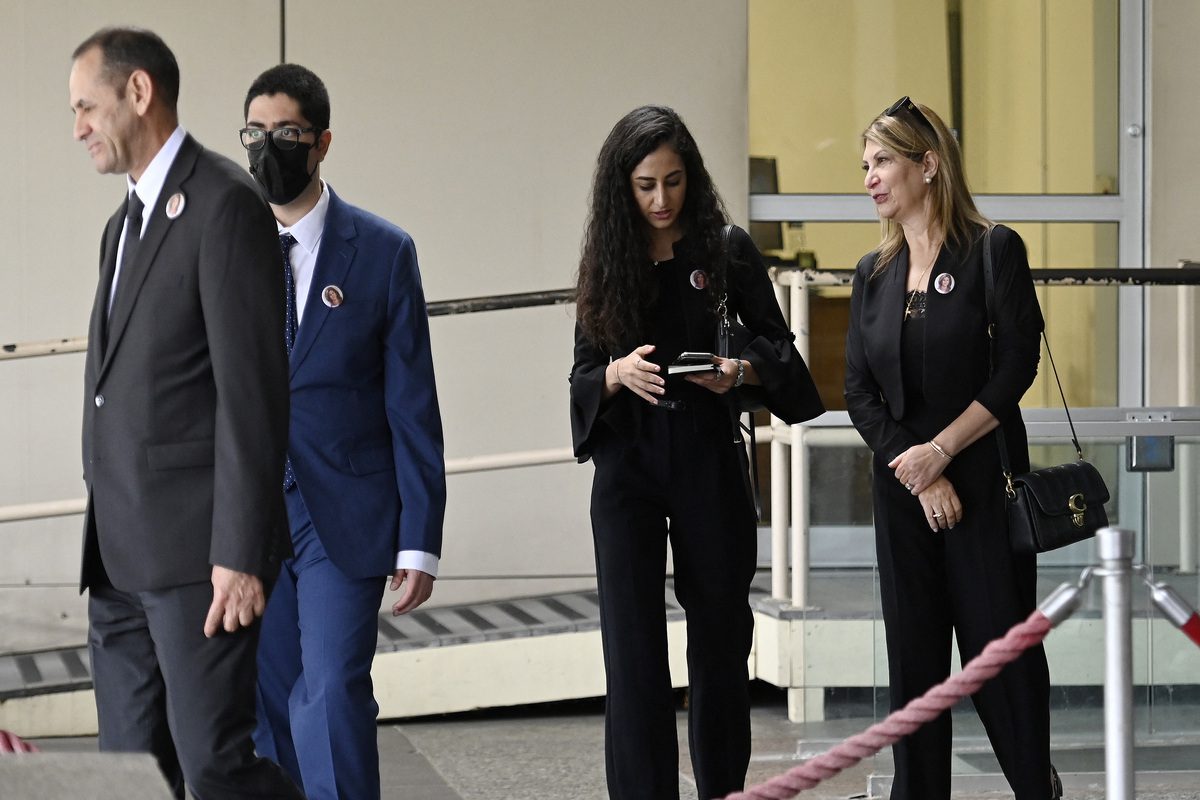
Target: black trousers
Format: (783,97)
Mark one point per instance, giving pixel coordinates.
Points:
(679,482)
(968,581)
(163,688)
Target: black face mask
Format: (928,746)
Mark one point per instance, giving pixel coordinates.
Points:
(281,174)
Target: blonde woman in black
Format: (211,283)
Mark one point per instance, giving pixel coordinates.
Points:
(653,270)
(920,391)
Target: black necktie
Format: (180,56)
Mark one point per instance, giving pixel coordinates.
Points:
(133,238)
(286,242)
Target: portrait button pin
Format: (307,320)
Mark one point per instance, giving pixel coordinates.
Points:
(698,279)
(332,296)
(99,400)
(175,205)
(944,283)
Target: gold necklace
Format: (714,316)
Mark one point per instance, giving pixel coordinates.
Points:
(913,295)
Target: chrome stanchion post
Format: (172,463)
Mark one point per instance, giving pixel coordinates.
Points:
(1116,555)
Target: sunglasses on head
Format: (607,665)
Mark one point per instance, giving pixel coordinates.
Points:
(904,104)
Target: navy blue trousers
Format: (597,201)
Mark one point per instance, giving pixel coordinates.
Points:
(316,707)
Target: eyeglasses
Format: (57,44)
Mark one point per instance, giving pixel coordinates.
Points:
(904,104)
(284,138)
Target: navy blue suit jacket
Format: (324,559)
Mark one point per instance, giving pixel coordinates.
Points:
(366,435)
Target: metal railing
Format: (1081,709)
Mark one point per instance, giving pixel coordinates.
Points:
(789,445)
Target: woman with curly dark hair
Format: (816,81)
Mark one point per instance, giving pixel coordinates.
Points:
(654,270)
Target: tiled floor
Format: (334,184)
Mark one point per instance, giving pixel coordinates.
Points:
(555,752)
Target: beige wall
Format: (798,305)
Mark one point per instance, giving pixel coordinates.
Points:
(473,125)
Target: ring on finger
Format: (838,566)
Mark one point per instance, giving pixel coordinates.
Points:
(938,515)
(908,486)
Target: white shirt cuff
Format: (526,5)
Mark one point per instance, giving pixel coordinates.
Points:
(417,559)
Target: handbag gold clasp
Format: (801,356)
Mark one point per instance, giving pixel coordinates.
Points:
(1077,505)
(1009,489)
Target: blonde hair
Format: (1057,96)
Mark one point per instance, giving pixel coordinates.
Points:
(952,208)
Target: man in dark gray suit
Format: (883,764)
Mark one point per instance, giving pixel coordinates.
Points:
(184,430)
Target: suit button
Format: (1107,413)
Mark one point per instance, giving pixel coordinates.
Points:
(99,400)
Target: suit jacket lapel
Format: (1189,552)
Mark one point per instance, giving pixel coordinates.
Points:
(134,274)
(97,340)
(333,262)
(892,320)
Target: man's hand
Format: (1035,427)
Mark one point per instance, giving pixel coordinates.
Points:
(238,600)
(417,588)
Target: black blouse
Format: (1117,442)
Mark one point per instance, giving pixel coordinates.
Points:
(681,319)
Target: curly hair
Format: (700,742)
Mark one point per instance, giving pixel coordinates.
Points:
(616,285)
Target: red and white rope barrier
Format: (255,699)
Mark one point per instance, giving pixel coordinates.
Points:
(11,743)
(1176,609)
(978,671)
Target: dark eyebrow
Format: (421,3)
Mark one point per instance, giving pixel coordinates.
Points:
(285,123)
(666,177)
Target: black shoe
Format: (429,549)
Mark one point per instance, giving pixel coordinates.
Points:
(1056,790)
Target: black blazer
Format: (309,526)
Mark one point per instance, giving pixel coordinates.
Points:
(956,340)
(185,411)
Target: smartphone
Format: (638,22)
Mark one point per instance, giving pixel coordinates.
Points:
(694,358)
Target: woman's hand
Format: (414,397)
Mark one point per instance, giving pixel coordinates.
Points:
(722,380)
(918,467)
(943,510)
(637,375)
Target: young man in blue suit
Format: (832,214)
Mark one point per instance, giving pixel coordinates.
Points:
(365,484)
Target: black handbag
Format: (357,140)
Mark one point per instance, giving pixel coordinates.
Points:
(1056,506)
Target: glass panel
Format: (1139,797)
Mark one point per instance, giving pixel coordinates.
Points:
(1081,321)
(1030,85)
(1166,665)
(1172,522)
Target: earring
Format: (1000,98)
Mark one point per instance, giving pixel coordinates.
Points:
(929,179)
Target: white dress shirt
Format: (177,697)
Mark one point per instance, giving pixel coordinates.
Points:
(148,189)
(308,232)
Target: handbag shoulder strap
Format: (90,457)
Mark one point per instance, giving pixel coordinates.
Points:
(989,292)
(727,255)
(735,415)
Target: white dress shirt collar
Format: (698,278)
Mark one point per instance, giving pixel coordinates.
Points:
(308,232)
(151,184)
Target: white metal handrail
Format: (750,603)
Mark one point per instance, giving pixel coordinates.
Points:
(51,347)
(789,447)
(454,466)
